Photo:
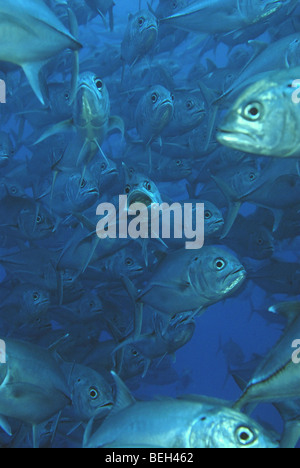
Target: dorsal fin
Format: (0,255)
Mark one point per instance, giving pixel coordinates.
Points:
(123,398)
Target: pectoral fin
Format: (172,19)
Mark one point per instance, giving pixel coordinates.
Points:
(32,72)
(61,127)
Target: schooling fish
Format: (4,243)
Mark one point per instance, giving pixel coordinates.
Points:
(188,422)
(30,34)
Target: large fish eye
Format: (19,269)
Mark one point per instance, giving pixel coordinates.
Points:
(127,189)
(252,111)
(141,21)
(190,104)
(207,214)
(134,352)
(93,392)
(35,296)
(13,190)
(220,263)
(252,176)
(99,84)
(129,261)
(147,185)
(245,436)
(154,97)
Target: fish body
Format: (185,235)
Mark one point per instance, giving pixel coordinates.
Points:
(195,422)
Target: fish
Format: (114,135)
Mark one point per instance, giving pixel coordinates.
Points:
(139,37)
(188,422)
(153,113)
(212,17)
(90,392)
(276,378)
(34,24)
(91,117)
(32,389)
(250,124)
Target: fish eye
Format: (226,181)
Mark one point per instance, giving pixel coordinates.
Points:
(127,189)
(35,296)
(39,219)
(83,183)
(91,304)
(154,97)
(129,261)
(147,185)
(207,214)
(141,21)
(178,162)
(13,190)
(252,176)
(99,84)
(189,104)
(220,264)
(134,352)
(172,97)
(103,166)
(245,436)
(252,111)
(67,96)
(93,392)
(260,241)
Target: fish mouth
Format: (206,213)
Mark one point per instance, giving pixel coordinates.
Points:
(227,137)
(93,191)
(140,197)
(166,102)
(240,274)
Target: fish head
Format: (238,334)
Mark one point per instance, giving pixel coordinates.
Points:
(139,188)
(160,103)
(189,108)
(144,28)
(261,243)
(221,273)
(213,219)
(92,104)
(226,428)
(178,167)
(90,306)
(82,192)
(35,301)
(257,121)
(91,394)
(35,223)
(154,112)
